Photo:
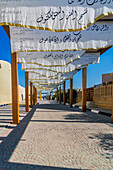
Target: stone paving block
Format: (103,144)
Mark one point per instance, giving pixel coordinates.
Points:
(54,136)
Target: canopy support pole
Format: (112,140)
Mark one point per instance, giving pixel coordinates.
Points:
(35,95)
(14,80)
(64,100)
(60,95)
(15,92)
(57,95)
(84,79)
(26,92)
(71,92)
(31,96)
(47,96)
(40,96)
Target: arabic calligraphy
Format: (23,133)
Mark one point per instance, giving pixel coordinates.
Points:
(90,2)
(75,36)
(73,15)
(67,38)
(96,27)
(59,56)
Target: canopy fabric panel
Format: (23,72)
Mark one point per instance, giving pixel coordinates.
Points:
(44,88)
(43,74)
(98,35)
(52,86)
(49,59)
(86,59)
(65,15)
(57,80)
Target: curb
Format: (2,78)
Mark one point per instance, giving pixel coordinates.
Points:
(95,111)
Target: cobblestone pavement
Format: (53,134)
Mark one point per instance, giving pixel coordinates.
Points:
(6,118)
(53,136)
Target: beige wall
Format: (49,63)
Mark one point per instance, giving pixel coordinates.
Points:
(5,84)
(21,93)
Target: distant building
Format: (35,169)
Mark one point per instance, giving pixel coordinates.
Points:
(5,84)
(78,89)
(107,77)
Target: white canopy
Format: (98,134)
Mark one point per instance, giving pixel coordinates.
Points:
(36,79)
(49,58)
(98,35)
(65,15)
(86,59)
(43,74)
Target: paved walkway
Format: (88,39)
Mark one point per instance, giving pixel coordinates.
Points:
(53,136)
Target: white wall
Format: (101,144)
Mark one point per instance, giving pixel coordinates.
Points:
(5,84)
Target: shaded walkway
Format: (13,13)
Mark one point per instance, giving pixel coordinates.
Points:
(53,136)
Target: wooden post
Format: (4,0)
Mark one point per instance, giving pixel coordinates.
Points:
(84,79)
(71,92)
(31,95)
(26,92)
(14,79)
(64,100)
(35,95)
(47,96)
(60,95)
(57,95)
(40,96)
(15,93)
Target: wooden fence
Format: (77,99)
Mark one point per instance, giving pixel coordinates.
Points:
(103,96)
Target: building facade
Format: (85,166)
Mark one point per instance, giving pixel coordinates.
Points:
(5,84)
(107,77)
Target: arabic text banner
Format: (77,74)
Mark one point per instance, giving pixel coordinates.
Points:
(98,35)
(49,58)
(65,15)
(86,59)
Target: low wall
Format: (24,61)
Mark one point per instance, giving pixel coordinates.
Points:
(103,96)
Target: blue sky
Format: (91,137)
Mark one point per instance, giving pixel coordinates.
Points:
(5,54)
(94,71)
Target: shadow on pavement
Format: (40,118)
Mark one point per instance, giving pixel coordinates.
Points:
(88,117)
(20,166)
(9,143)
(106,143)
(55,106)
